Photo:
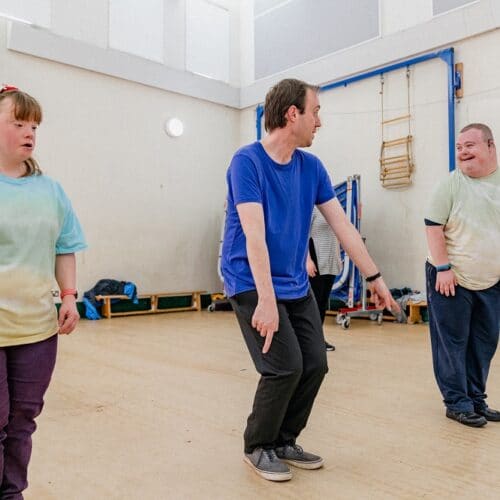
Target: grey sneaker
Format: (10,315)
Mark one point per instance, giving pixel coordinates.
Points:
(267,465)
(295,455)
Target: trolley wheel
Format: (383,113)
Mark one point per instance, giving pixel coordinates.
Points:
(211,308)
(339,318)
(346,323)
(373,316)
(380,319)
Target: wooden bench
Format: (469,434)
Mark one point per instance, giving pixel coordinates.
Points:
(415,313)
(153,298)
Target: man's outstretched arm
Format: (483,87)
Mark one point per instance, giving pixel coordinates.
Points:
(352,243)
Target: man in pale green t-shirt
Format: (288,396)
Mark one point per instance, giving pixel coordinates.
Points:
(463,276)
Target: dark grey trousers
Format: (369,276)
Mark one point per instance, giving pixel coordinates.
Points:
(291,372)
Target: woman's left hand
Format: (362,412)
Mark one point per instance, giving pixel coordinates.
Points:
(311,267)
(68,315)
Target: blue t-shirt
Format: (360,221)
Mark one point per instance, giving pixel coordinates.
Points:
(287,194)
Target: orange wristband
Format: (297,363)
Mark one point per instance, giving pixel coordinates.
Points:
(68,291)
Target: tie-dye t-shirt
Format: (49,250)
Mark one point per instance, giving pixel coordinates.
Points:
(469,209)
(36,223)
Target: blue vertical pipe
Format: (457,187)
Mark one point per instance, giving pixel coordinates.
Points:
(259,114)
(447,55)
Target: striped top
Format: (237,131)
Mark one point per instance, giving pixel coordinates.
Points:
(326,245)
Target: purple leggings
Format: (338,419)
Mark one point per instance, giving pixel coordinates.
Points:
(25,372)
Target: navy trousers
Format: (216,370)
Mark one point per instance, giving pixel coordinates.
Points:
(291,372)
(464,336)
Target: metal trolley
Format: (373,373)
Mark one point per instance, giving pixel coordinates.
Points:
(350,287)
(362,311)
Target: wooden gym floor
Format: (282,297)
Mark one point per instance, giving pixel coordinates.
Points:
(153,408)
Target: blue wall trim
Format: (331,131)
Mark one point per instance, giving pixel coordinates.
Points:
(447,55)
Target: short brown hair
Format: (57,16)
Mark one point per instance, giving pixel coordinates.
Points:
(26,108)
(288,92)
(486,131)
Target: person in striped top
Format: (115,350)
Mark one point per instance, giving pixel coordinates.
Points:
(323,263)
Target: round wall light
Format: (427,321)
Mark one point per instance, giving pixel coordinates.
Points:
(174,127)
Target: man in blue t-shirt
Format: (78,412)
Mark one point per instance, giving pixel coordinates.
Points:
(272,189)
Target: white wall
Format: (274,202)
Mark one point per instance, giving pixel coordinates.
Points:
(207,42)
(407,28)
(397,15)
(299,31)
(407,31)
(84,20)
(37,12)
(137,31)
(166,51)
(151,206)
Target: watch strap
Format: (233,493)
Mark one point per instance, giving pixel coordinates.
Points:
(443,267)
(373,277)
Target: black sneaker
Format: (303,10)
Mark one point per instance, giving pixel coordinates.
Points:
(329,347)
(295,455)
(467,418)
(489,414)
(267,465)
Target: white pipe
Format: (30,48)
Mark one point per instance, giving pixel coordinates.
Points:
(345,270)
(221,242)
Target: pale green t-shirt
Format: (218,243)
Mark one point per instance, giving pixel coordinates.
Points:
(469,209)
(36,223)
